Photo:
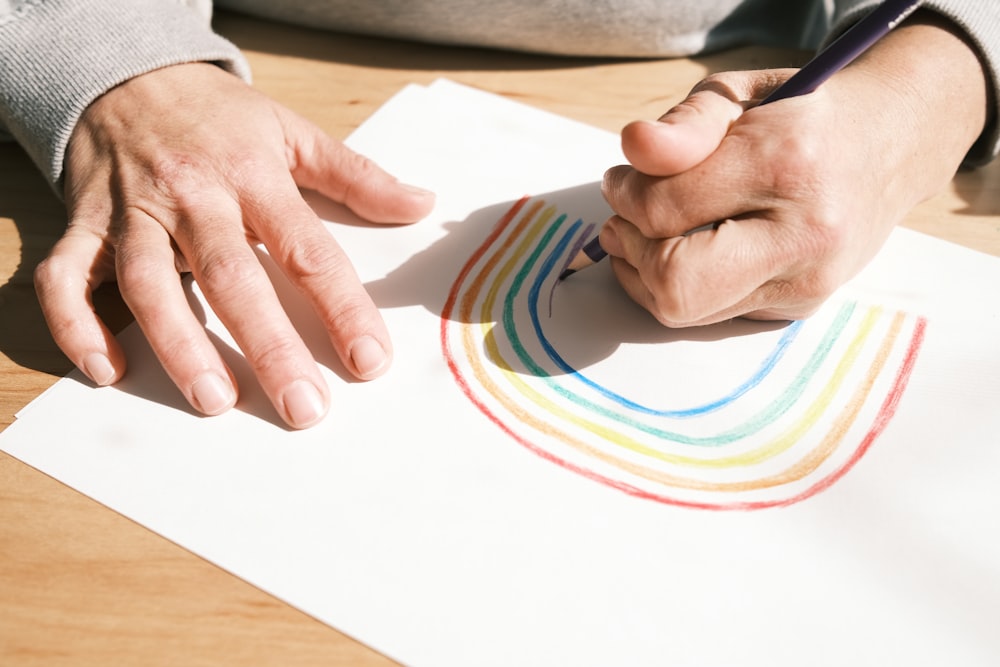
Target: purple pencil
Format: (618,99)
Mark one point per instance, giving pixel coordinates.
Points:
(855,41)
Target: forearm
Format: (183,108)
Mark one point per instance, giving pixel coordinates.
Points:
(934,99)
(970,49)
(58,56)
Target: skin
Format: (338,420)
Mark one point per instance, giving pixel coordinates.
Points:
(184,169)
(803,192)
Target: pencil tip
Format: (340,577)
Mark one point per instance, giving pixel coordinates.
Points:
(566,274)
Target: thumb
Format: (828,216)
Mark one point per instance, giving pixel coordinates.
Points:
(691,131)
(326,165)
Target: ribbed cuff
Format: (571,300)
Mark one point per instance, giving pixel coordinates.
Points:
(980,20)
(58,56)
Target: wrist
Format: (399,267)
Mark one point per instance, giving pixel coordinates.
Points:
(932,94)
(935,65)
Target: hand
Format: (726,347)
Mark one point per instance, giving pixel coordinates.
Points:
(802,192)
(184,169)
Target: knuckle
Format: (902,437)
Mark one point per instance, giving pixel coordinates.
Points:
(173,354)
(350,310)
(618,189)
(822,238)
(673,305)
(189,183)
(51,280)
(271,355)
(360,170)
(644,202)
(247,169)
(134,272)
(177,192)
(793,301)
(49,275)
(176,173)
(673,308)
(820,286)
(307,259)
(801,297)
(797,170)
(611,184)
(228,270)
(137,270)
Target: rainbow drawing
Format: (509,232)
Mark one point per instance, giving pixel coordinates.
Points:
(802,414)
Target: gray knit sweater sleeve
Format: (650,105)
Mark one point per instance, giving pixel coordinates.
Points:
(980,19)
(58,56)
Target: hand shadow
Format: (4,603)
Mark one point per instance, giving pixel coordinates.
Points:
(575,323)
(39,219)
(590,317)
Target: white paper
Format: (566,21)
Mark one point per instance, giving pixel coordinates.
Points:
(595,489)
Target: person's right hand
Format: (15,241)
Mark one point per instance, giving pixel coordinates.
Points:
(185,169)
(792,198)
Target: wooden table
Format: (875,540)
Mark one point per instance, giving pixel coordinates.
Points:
(81,585)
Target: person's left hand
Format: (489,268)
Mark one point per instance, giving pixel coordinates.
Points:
(187,169)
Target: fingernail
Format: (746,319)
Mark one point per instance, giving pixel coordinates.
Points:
(211,394)
(98,368)
(303,404)
(368,356)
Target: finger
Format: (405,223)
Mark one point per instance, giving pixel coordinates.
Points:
(684,136)
(240,293)
(64,281)
(320,163)
(740,267)
(638,291)
(151,286)
(671,206)
(316,263)
(728,184)
(702,163)
(691,131)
